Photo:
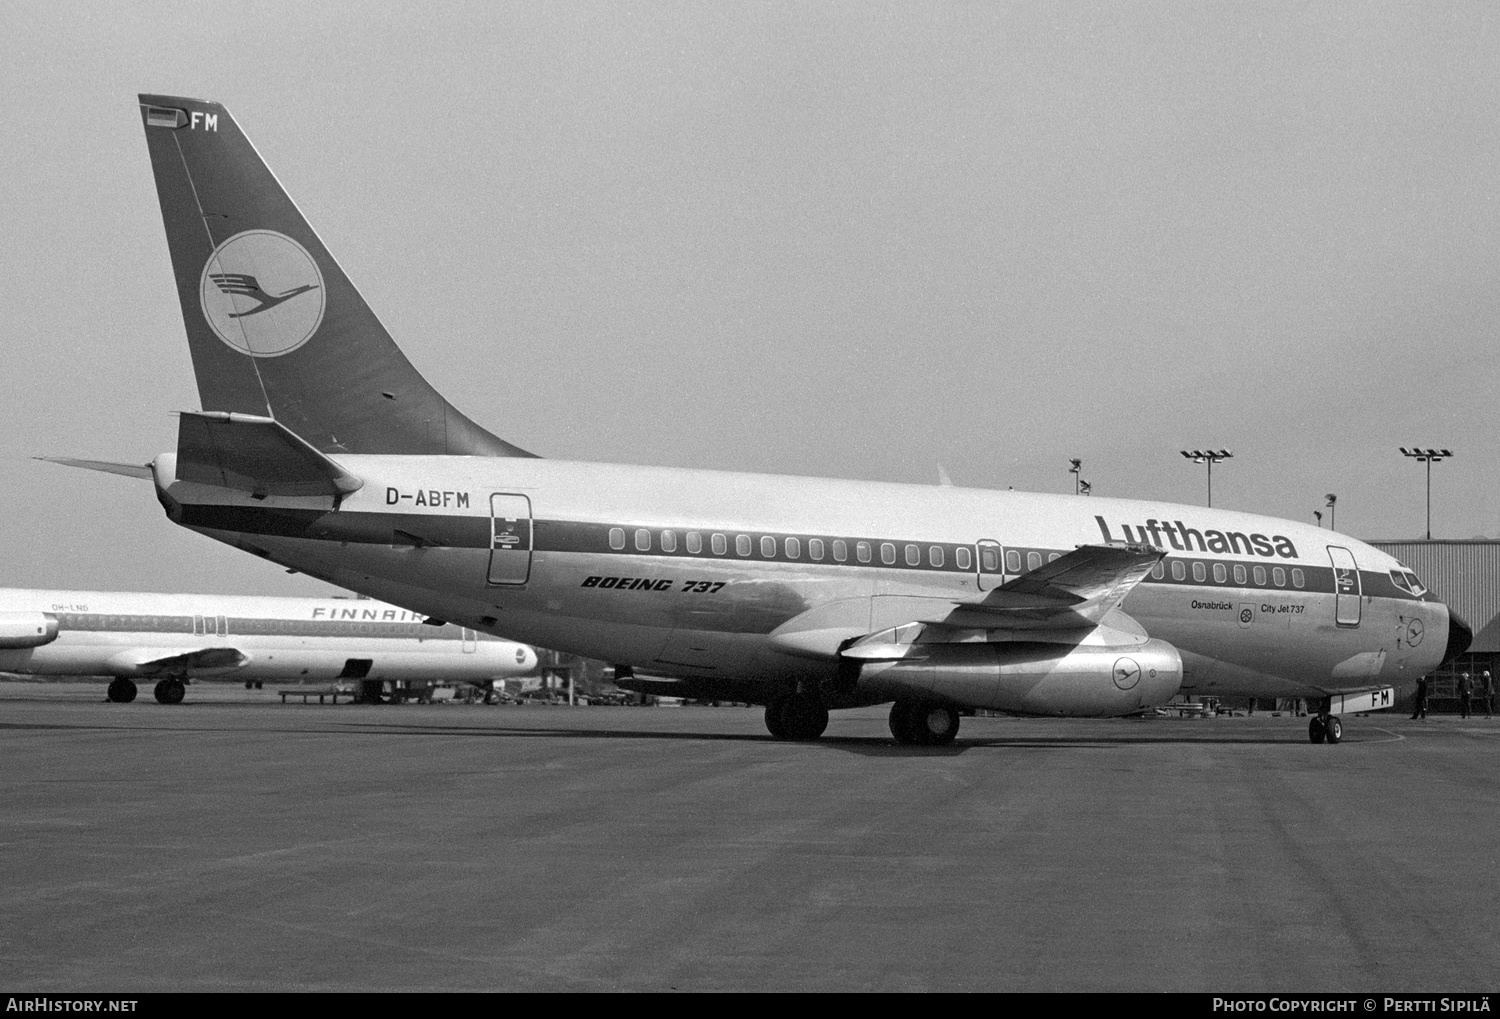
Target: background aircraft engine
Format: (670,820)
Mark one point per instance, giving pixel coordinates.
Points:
(1032,679)
(27,629)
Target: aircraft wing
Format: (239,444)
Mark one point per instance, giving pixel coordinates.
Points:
(1063,600)
(147,662)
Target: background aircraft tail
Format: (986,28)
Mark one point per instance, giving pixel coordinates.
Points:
(275,327)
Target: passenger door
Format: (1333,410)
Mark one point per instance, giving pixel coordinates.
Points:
(510,539)
(1346,588)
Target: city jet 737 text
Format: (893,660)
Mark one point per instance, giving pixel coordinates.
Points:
(320,447)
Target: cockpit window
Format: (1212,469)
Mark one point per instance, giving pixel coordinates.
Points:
(1416,585)
(1399,579)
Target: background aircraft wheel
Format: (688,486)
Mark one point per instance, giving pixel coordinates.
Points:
(1333,729)
(804,716)
(1315,731)
(170,691)
(904,723)
(937,724)
(775,721)
(121,691)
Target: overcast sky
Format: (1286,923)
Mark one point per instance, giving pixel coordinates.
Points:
(850,240)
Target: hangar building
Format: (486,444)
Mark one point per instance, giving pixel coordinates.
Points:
(1466,575)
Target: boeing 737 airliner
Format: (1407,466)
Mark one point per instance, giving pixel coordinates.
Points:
(177,638)
(320,447)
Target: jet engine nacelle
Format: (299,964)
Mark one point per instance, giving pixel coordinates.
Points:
(26,629)
(1032,678)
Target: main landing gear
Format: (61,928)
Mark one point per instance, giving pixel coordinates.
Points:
(170,691)
(923,723)
(802,716)
(121,690)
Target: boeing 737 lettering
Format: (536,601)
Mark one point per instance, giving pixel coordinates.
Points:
(175,639)
(320,447)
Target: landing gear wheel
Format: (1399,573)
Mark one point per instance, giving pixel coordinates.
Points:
(918,723)
(1333,729)
(170,691)
(803,717)
(121,691)
(938,724)
(1315,730)
(775,724)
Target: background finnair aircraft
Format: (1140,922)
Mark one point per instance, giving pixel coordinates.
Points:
(320,447)
(177,638)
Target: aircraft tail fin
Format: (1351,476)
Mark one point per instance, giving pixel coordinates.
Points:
(274,326)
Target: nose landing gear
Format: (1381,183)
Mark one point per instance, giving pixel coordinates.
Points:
(1324,727)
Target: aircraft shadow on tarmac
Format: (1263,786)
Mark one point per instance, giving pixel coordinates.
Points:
(869,746)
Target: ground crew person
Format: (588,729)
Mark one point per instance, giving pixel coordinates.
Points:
(1420,710)
(1488,683)
(1465,694)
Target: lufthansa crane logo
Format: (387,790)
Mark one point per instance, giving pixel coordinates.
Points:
(262,293)
(1127,673)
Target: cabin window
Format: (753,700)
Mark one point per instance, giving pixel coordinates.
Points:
(694,542)
(887,553)
(1200,574)
(1260,575)
(719,543)
(913,556)
(1054,557)
(1239,574)
(815,549)
(840,550)
(198,620)
(1279,576)
(742,544)
(1033,560)
(962,559)
(642,540)
(862,551)
(617,538)
(1158,571)
(1179,571)
(223,627)
(989,559)
(935,557)
(1220,573)
(669,541)
(793,548)
(1297,579)
(768,547)
(1013,561)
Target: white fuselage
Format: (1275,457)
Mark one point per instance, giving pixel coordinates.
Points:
(691,574)
(131,634)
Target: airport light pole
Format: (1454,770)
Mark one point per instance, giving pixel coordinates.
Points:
(1318,516)
(1428,457)
(1333,518)
(1210,457)
(1077,478)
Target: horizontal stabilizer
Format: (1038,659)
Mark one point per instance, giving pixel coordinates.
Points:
(257,455)
(142,471)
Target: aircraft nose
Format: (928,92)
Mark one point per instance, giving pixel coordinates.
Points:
(1460,636)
